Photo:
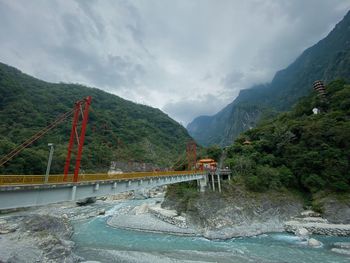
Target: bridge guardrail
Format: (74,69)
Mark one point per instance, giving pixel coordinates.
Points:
(7,180)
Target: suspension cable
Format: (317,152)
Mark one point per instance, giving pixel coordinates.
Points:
(35,137)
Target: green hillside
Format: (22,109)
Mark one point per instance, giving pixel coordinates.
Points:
(298,149)
(327,60)
(117,130)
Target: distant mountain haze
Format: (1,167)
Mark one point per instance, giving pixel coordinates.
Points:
(327,60)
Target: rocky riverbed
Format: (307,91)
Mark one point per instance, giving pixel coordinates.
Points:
(36,238)
(311,223)
(43,234)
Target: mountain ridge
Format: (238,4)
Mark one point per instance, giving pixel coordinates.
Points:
(117,130)
(328,59)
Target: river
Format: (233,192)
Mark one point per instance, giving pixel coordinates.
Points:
(97,241)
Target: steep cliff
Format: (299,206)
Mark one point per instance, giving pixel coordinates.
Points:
(327,60)
(236,211)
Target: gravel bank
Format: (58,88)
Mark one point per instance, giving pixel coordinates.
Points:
(147,223)
(150,218)
(319,228)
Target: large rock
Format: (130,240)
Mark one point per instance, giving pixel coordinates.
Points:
(138,210)
(38,238)
(336,210)
(47,224)
(302,232)
(239,212)
(314,243)
(86,201)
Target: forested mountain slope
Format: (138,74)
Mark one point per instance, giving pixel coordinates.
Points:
(299,149)
(117,130)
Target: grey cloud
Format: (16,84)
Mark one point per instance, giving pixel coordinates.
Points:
(232,78)
(188,57)
(187,109)
(110,72)
(87,8)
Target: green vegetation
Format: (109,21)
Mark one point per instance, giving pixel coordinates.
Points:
(117,130)
(298,149)
(212,152)
(182,194)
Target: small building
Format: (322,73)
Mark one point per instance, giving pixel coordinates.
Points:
(247,142)
(206,164)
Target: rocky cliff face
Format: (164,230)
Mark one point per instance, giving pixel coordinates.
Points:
(327,60)
(36,238)
(335,210)
(240,213)
(225,126)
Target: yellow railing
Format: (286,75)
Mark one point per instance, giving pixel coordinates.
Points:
(58,178)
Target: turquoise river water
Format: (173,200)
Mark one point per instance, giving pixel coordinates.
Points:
(97,241)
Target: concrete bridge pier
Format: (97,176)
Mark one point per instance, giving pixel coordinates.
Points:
(202,183)
(212,181)
(219,183)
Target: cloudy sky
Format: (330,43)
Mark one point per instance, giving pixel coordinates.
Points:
(186,57)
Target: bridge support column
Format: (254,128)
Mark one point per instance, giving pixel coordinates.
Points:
(202,183)
(219,183)
(212,181)
(74,192)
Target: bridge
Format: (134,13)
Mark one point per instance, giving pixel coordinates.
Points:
(34,190)
(31,190)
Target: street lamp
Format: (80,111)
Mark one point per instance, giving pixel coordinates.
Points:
(49,162)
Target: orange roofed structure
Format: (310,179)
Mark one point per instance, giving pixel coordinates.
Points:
(206,164)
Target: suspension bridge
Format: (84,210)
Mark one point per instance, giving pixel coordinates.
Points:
(34,190)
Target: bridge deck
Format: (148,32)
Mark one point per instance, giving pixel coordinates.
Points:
(24,191)
(12,180)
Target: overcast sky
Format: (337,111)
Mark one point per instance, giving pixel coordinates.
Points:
(188,58)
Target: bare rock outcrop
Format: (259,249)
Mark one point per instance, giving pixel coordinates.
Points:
(239,213)
(36,238)
(336,210)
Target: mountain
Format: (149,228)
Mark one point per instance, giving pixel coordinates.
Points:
(299,149)
(327,60)
(118,129)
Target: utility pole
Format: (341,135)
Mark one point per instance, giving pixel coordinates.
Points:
(49,162)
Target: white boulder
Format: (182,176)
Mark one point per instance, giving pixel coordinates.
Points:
(314,243)
(302,232)
(142,209)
